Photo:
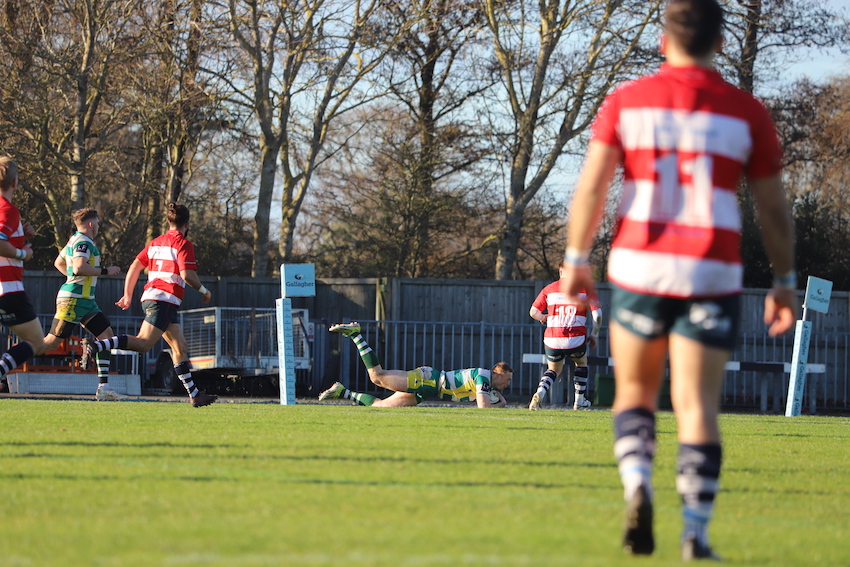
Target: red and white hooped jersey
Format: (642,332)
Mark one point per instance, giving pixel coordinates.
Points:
(164,257)
(566,324)
(687,136)
(12,230)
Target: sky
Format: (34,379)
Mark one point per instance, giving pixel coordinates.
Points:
(824,64)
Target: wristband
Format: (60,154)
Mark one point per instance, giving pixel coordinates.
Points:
(202,290)
(575,257)
(20,254)
(103,271)
(786,281)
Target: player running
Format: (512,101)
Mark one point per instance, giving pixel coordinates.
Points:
(411,387)
(79,261)
(170,260)
(16,311)
(684,137)
(565,336)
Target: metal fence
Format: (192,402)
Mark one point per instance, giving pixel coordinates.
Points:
(127,324)
(408,344)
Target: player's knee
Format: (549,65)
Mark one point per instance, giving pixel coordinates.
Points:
(377,377)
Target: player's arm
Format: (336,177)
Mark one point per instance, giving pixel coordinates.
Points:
(482,399)
(7,250)
(191,278)
(130,280)
(596,317)
(81,267)
(777,232)
(537,315)
(59,264)
(585,213)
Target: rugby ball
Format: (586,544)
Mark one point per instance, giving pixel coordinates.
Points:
(494,397)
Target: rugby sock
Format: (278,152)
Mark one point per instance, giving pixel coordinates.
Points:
(370,359)
(185,375)
(119,341)
(546,382)
(359,399)
(103,358)
(634,448)
(697,483)
(580,380)
(18,354)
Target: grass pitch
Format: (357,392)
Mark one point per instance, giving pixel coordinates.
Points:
(125,484)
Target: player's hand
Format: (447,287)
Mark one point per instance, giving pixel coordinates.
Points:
(206,297)
(124,303)
(113,271)
(591,342)
(576,277)
(27,248)
(780,308)
(29,231)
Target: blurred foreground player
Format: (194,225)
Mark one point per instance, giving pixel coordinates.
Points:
(684,137)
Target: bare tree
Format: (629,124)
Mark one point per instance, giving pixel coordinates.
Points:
(67,109)
(308,61)
(556,60)
(763,37)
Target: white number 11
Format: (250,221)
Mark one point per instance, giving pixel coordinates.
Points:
(685,203)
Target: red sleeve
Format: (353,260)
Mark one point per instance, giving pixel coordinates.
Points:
(10,220)
(143,256)
(766,157)
(540,302)
(607,119)
(186,257)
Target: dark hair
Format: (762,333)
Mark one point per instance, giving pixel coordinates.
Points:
(178,215)
(82,215)
(696,25)
(8,172)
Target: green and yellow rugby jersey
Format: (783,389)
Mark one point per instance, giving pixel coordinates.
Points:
(79,287)
(464,385)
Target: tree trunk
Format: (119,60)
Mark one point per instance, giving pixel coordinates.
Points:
(260,261)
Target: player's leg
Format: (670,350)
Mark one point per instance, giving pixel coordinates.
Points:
(398,400)
(158,315)
(638,372)
(338,391)
(173,335)
(31,344)
(580,377)
(555,364)
(99,326)
(352,331)
(699,349)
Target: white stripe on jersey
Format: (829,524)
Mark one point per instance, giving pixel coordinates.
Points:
(637,204)
(154,294)
(671,275)
(699,132)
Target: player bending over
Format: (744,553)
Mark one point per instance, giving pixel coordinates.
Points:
(411,387)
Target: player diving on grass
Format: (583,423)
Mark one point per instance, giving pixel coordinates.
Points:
(412,386)
(565,336)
